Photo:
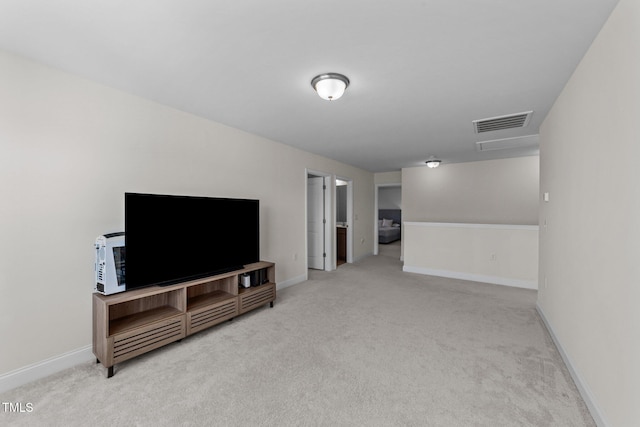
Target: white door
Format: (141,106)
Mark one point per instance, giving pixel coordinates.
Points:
(315,222)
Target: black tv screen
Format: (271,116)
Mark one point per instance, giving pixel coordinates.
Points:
(172,239)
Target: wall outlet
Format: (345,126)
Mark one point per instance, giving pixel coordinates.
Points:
(493,257)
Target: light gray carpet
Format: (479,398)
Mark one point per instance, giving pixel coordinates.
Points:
(364,345)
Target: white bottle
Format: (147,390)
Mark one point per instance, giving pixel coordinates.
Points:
(246,280)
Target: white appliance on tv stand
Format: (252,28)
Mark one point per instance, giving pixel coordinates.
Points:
(110,264)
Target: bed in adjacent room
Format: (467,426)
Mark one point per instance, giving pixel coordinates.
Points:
(389,221)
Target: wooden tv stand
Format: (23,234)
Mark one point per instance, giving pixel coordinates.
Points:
(128,324)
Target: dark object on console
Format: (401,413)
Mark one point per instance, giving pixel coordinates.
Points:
(259,277)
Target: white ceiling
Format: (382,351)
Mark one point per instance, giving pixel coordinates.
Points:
(420,71)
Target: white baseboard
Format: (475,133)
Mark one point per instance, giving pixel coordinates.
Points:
(496,280)
(43,369)
(291,282)
(583,388)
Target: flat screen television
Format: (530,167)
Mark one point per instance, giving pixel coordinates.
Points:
(172,239)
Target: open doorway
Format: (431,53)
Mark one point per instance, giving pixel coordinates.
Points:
(388,215)
(344,221)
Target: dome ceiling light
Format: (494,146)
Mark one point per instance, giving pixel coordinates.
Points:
(330,86)
(433,162)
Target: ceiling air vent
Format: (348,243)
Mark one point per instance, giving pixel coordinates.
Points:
(510,121)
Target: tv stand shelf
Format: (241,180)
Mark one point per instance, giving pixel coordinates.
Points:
(129,324)
(208,299)
(143,318)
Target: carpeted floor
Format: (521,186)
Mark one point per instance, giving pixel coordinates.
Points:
(366,345)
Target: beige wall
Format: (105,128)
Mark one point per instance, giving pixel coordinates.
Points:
(390,197)
(388,177)
(489,192)
(70,148)
(500,254)
(590,247)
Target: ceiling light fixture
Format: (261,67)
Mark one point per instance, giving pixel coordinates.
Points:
(330,86)
(433,162)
